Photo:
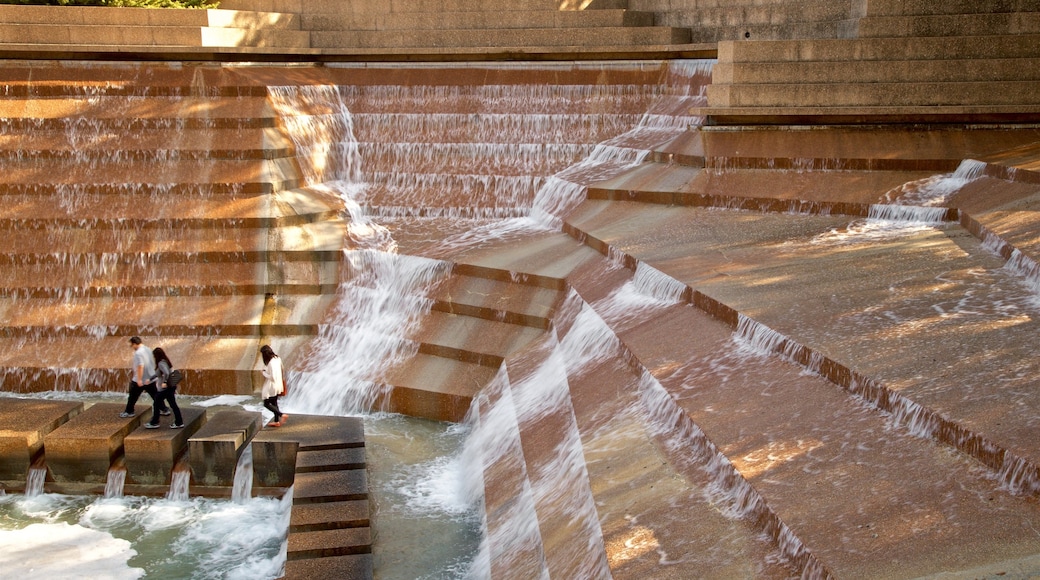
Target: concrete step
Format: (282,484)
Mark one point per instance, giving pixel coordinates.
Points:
(926,7)
(424,6)
(458,127)
(835,29)
(235,315)
(882,49)
(158,35)
(116,16)
(881,94)
(493,299)
(469,20)
(907,71)
(540,37)
(971,24)
(213,365)
(760,20)
(435,387)
(469,336)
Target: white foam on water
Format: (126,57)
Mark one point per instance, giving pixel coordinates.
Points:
(63,551)
(222,400)
(131,537)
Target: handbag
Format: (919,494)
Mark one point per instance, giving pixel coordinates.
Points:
(174,379)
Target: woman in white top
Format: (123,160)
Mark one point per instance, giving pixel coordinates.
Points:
(274,385)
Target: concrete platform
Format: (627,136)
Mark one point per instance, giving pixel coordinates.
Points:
(151,454)
(82,450)
(26,422)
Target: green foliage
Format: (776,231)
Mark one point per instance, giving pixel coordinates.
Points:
(120,3)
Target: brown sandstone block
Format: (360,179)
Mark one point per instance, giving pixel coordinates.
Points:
(151,453)
(274,463)
(25,424)
(214,450)
(82,450)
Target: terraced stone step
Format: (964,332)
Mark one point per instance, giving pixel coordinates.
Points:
(541,37)
(882,49)
(493,299)
(213,365)
(927,7)
(235,315)
(84,15)
(477,19)
(946,25)
(907,71)
(759,20)
(102,35)
(887,94)
(434,387)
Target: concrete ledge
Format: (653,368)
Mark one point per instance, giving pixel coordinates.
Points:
(214,450)
(151,454)
(25,424)
(82,450)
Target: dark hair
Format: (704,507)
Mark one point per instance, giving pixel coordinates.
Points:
(135,340)
(160,355)
(267,353)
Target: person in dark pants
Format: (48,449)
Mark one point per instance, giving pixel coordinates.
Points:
(166,388)
(274,385)
(142,378)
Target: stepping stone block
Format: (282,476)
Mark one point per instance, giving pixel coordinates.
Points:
(274,462)
(82,450)
(214,450)
(150,454)
(25,423)
(357,567)
(319,432)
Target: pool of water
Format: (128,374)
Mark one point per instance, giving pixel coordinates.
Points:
(423,526)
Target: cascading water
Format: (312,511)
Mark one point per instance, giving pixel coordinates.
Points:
(114,482)
(242,488)
(491,170)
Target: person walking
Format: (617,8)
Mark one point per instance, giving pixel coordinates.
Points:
(274,385)
(142,378)
(166,388)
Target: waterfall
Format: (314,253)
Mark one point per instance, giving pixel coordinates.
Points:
(363,335)
(179,482)
(35,479)
(115,481)
(667,118)
(242,489)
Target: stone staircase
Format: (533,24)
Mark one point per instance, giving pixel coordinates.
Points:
(921,62)
(280,29)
